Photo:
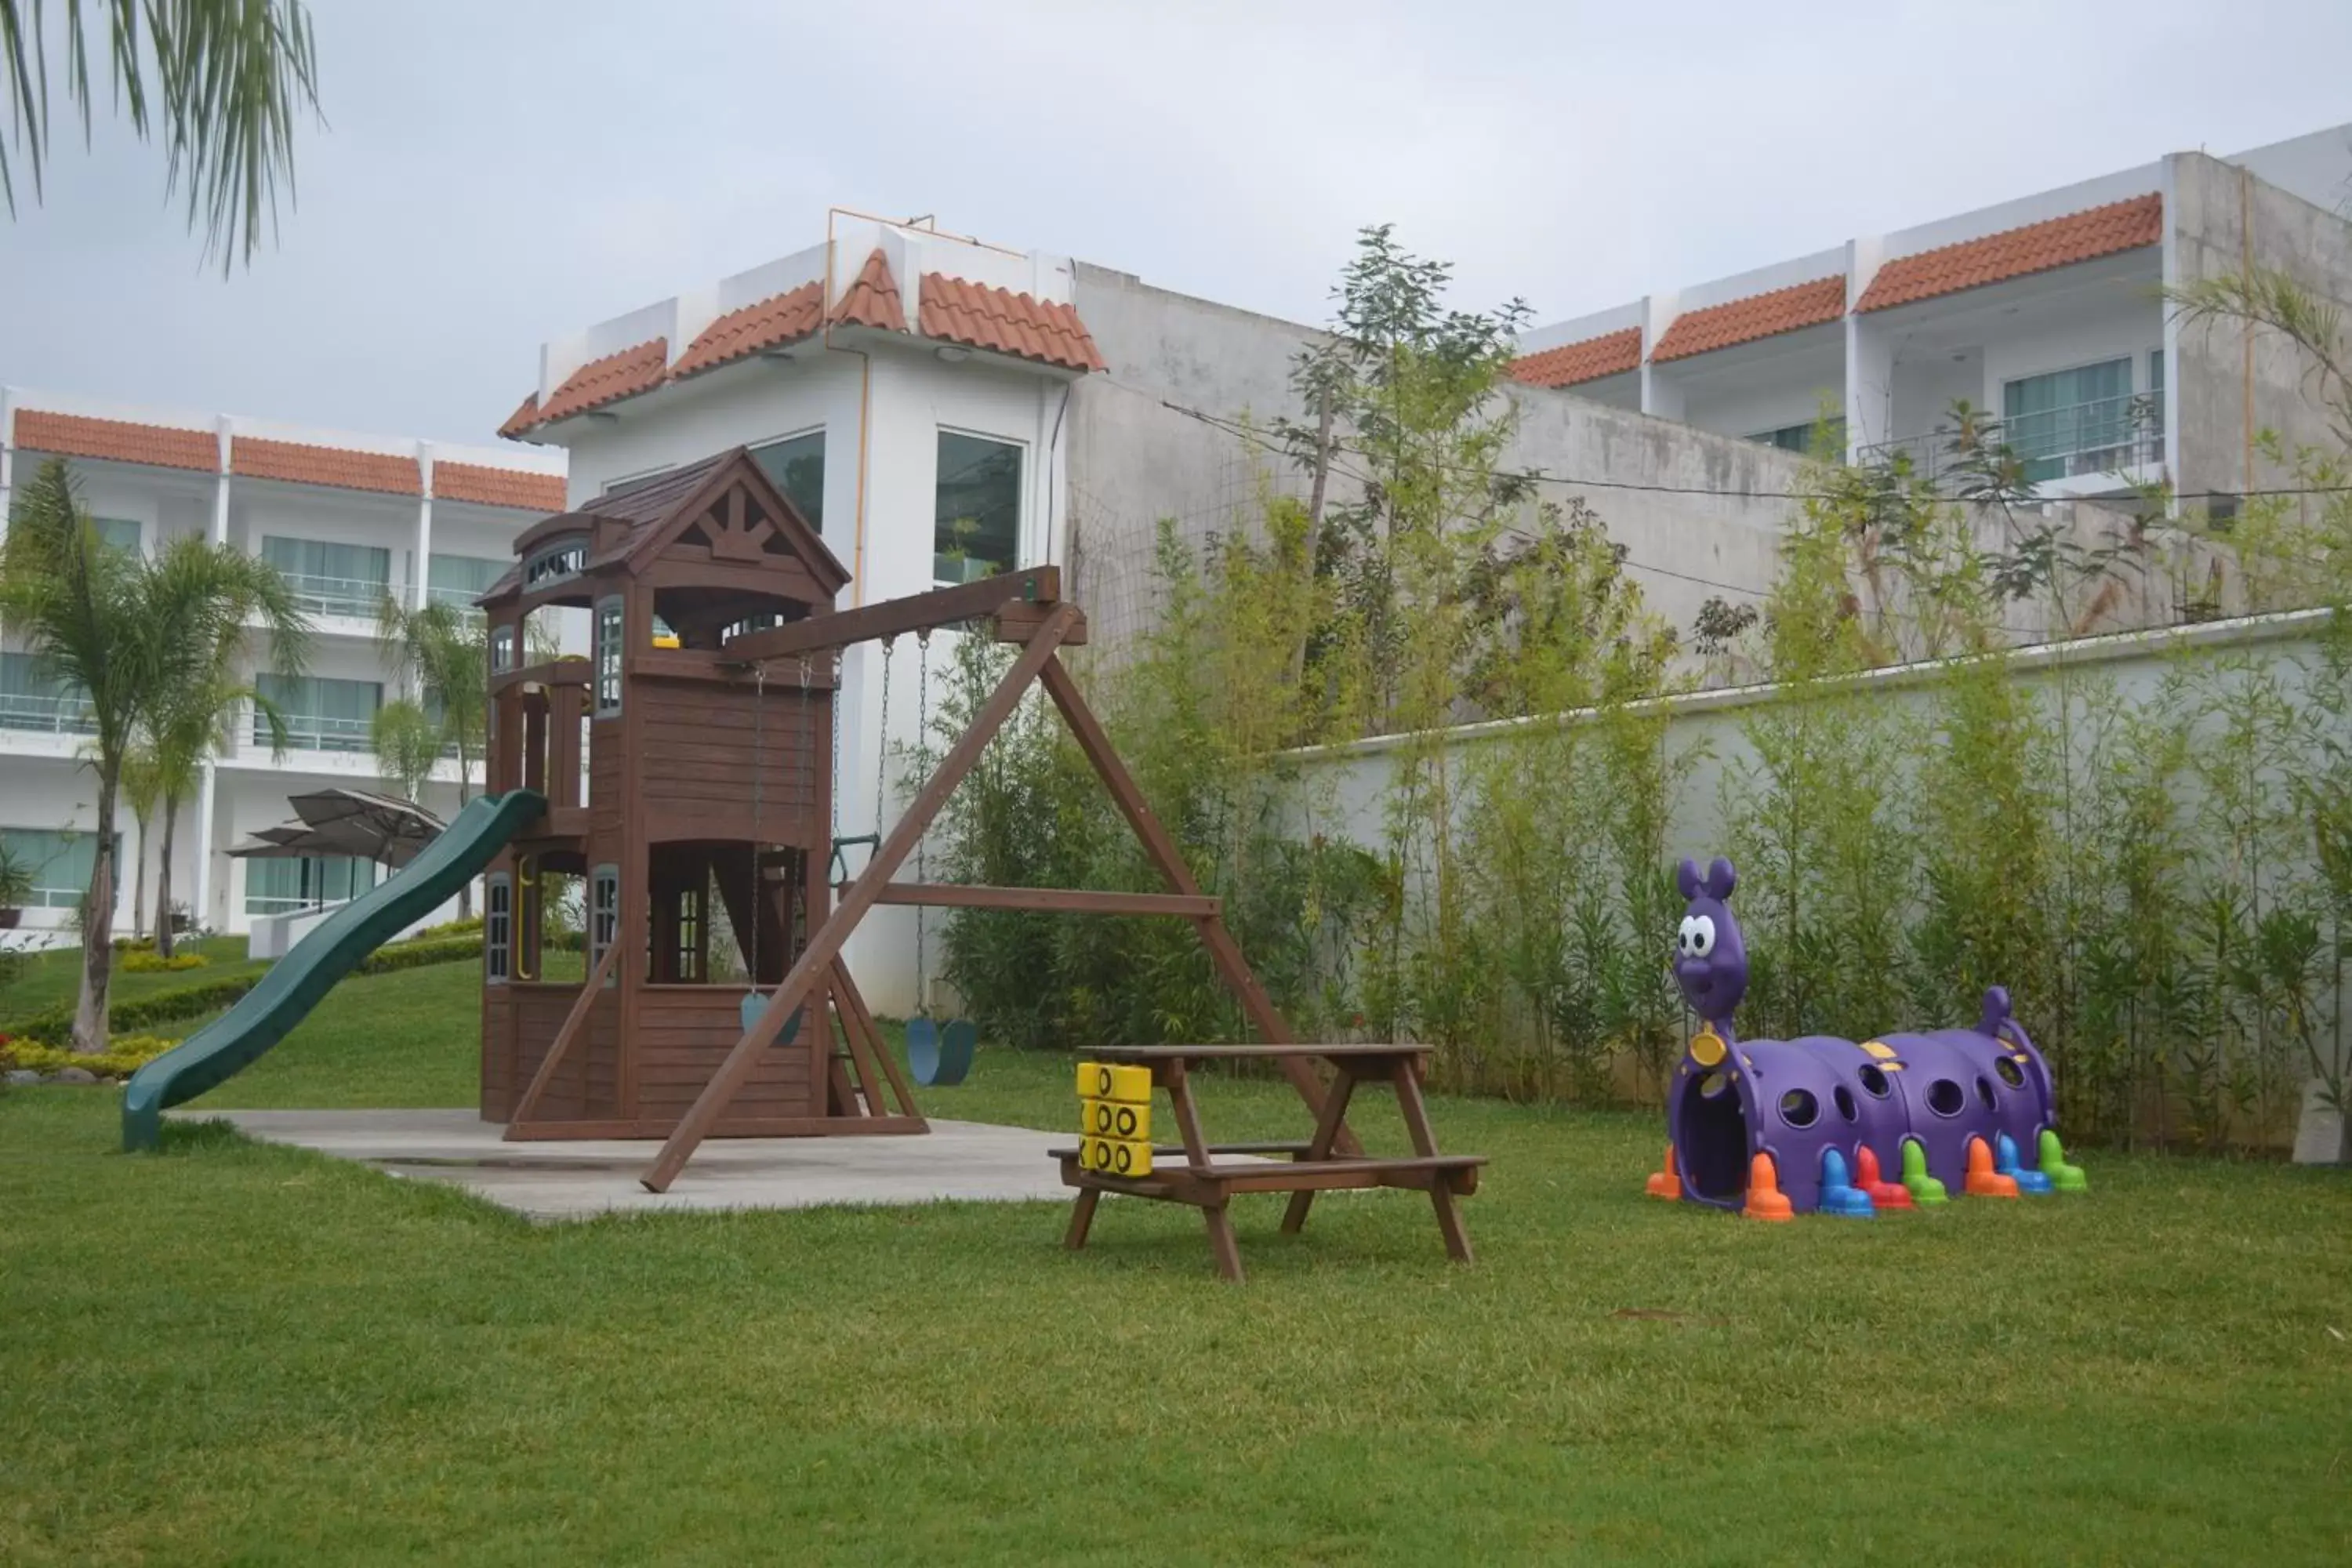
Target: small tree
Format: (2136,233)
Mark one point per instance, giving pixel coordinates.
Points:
(408,745)
(444,653)
(132,634)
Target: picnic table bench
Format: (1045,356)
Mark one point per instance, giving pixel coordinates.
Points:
(1327,1161)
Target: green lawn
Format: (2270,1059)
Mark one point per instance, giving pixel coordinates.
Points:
(54,979)
(235,1353)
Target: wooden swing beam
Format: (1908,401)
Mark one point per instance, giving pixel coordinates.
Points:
(1038,662)
(1013,597)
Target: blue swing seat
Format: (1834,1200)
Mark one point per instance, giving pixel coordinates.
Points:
(940,1057)
(755,1003)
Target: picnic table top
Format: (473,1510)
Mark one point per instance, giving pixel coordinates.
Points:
(1251,1052)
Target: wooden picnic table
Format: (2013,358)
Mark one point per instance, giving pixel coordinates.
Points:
(1326,1161)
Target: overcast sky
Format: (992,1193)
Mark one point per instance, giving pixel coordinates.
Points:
(494,172)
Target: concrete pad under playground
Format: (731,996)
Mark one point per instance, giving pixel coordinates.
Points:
(968,1161)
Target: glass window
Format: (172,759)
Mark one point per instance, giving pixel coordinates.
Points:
(32,698)
(498,927)
(321,714)
(976,529)
(603,912)
(2073,421)
(277,887)
(60,861)
(332,579)
(608,658)
(796,465)
(122,533)
(502,647)
(459,580)
(1800,438)
(634,481)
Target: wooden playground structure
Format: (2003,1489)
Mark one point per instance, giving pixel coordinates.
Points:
(703,725)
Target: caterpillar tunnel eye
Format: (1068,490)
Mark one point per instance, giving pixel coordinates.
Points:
(1945,1098)
(1798,1108)
(2011,1073)
(1844,1097)
(1874,1081)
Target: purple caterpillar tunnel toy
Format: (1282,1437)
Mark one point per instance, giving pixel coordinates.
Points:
(1775,1128)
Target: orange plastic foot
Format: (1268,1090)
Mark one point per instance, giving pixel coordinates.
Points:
(1983,1181)
(1765,1198)
(1666,1184)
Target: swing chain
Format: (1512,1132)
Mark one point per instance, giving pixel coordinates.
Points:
(759,773)
(922,868)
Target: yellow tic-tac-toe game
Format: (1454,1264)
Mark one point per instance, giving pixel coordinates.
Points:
(1115,1119)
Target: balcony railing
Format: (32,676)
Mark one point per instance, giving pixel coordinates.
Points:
(357,597)
(46,715)
(456,598)
(2109,436)
(315,732)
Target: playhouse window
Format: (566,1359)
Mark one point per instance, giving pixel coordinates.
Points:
(498,928)
(554,563)
(1844,1097)
(603,912)
(1798,1108)
(689,935)
(1874,1081)
(976,527)
(608,658)
(502,647)
(1945,1098)
(2011,1073)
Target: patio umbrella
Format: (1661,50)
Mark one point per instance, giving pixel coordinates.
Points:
(353,822)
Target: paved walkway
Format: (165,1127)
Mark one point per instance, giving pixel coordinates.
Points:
(958,1160)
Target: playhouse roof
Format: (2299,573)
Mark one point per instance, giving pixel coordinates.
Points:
(652,514)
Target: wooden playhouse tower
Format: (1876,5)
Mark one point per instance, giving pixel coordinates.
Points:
(692,754)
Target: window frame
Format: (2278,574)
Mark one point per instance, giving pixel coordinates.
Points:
(825,443)
(608,635)
(603,914)
(1023,476)
(498,928)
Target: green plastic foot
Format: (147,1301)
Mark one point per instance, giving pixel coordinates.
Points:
(1926,1190)
(2064,1177)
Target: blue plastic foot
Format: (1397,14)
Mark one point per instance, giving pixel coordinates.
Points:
(1839,1194)
(2004,1161)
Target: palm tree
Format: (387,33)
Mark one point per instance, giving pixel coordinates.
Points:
(408,745)
(141,789)
(444,653)
(197,719)
(134,635)
(221,80)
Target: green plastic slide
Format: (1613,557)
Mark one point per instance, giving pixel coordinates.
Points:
(234,1041)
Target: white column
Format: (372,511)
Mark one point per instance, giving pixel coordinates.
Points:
(1869,355)
(420,590)
(7,455)
(200,905)
(2171,330)
(220,487)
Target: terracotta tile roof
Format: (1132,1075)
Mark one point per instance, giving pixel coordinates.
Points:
(525,416)
(304,465)
(158,445)
(778,318)
(997,319)
(873,299)
(1757,316)
(486,486)
(1612,354)
(638,369)
(2018,252)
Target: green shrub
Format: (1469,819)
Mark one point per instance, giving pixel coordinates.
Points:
(417,953)
(146,960)
(121,1057)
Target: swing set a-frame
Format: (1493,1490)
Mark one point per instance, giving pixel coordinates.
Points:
(708,594)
